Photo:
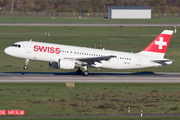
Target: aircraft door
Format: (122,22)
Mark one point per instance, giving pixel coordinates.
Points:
(29,47)
(138,60)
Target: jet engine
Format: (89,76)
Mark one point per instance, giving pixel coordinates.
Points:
(63,64)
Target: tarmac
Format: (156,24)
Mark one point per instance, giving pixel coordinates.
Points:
(48,77)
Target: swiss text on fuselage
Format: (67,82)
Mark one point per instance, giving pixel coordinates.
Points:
(46,49)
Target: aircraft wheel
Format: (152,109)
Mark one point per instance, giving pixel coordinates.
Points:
(79,72)
(25,67)
(85,73)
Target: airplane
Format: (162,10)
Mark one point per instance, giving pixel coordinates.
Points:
(70,57)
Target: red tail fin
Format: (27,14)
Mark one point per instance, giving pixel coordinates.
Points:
(159,45)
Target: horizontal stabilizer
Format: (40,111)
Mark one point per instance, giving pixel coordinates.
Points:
(163,62)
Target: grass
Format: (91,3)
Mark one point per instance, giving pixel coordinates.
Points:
(85,99)
(56,99)
(114,38)
(32,19)
(97,118)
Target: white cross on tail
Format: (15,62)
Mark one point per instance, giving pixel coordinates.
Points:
(160,43)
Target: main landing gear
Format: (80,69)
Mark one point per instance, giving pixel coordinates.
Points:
(79,71)
(26,63)
(85,72)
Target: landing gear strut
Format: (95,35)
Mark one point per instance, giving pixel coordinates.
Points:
(85,73)
(26,63)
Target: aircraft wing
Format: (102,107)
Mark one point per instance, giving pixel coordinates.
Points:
(91,60)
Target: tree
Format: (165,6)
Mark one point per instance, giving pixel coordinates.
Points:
(96,5)
(158,3)
(2,3)
(175,9)
(88,5)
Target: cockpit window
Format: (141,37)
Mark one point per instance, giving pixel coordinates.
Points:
(16,45)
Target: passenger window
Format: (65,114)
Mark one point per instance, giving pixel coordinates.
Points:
(16,45)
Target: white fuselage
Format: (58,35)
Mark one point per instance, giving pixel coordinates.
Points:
(53,52)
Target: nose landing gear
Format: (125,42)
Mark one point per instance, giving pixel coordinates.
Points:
(26,63)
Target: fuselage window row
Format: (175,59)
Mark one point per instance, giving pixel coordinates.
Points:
(16,45)
(96,55)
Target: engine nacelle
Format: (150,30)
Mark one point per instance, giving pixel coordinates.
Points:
(63,64)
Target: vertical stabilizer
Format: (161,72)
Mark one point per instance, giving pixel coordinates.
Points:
(157,48)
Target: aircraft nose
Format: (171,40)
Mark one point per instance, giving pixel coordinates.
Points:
(7,50)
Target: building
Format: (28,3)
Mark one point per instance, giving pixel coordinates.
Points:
(129,12)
